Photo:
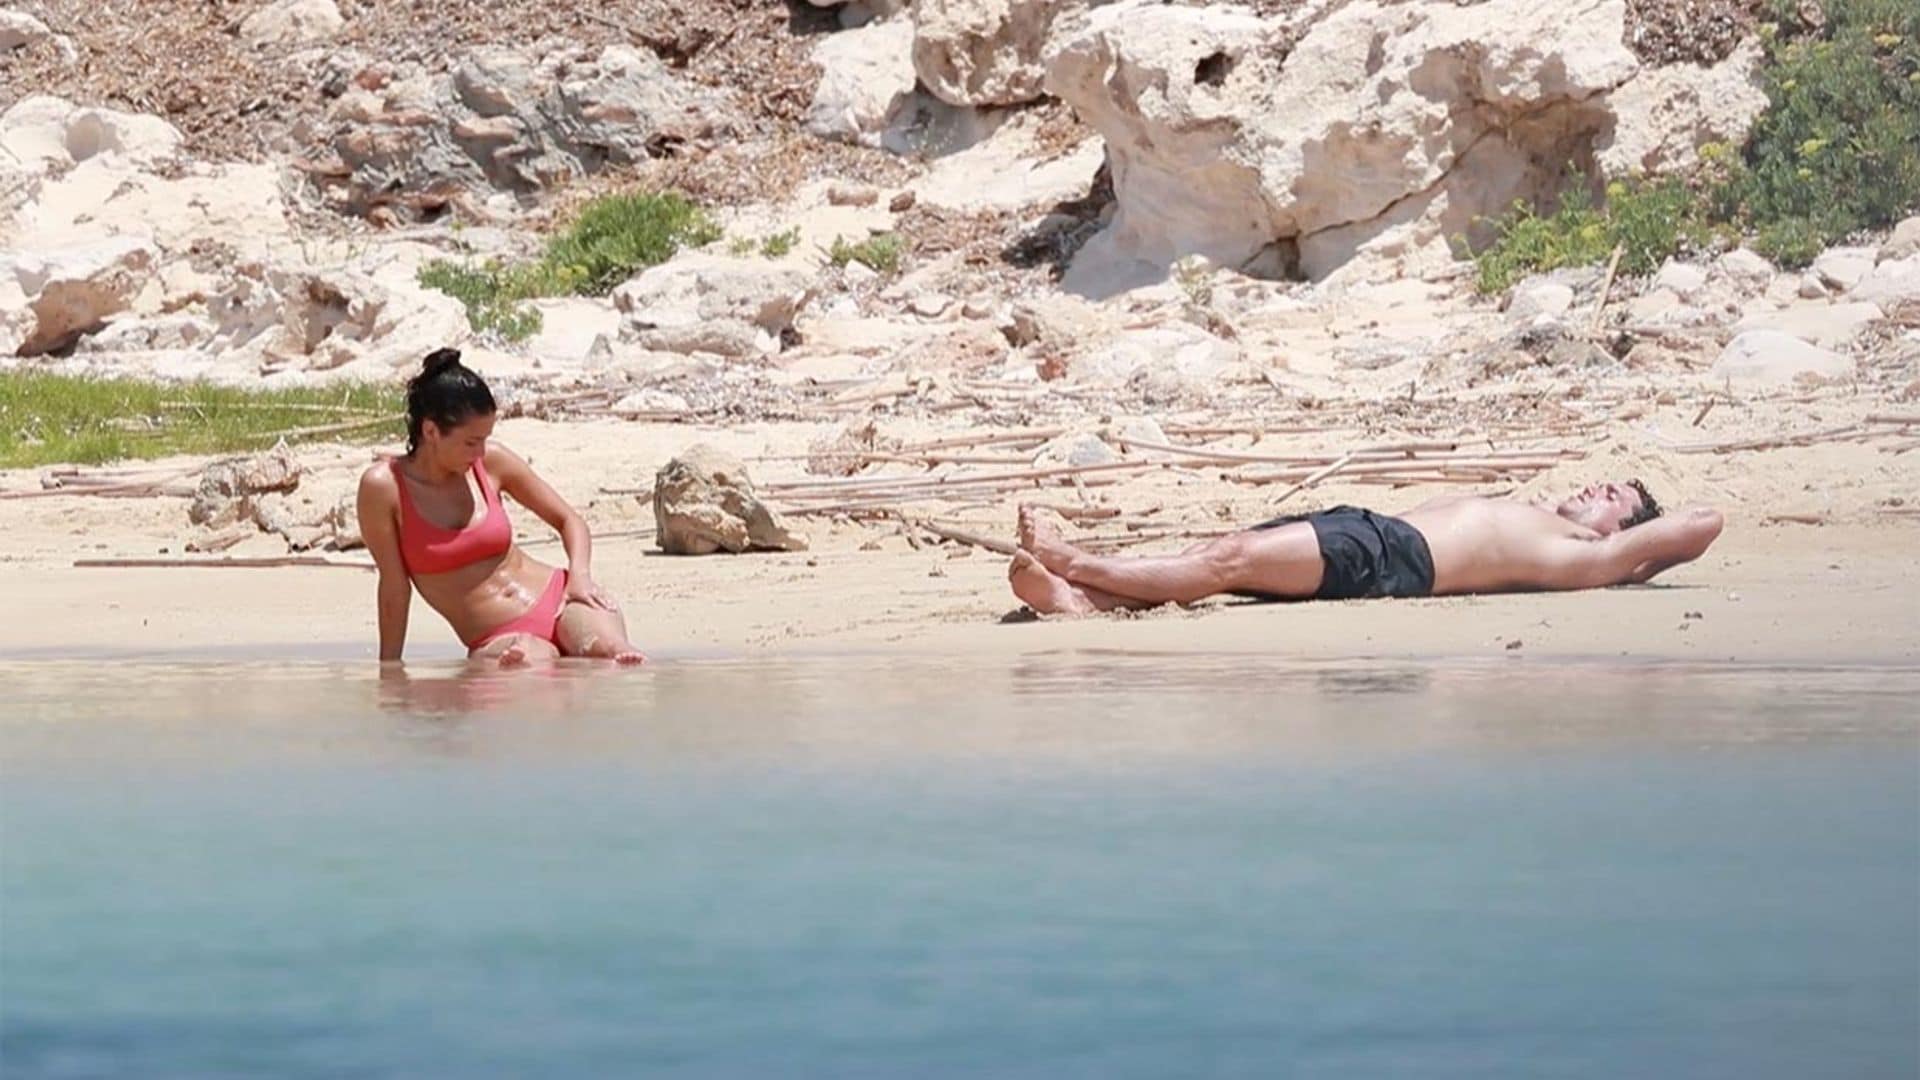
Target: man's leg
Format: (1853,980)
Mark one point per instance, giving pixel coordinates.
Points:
(1283,562)
(1050,594)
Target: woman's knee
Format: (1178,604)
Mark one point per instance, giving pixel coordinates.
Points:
(590,631)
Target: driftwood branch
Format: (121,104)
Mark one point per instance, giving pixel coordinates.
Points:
(274,561)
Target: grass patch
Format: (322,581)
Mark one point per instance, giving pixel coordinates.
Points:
(773,246)
(1647,222)
(1836,153)
(780,244)
(61,419)
(881,254)
(610,240)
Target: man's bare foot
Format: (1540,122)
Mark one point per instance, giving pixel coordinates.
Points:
(1040,535)
(1045,592)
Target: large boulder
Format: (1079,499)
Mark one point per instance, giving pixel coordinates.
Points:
(19,30)
(1904,242)
(236,207)
(1893,283)
(49,299)
(301,318)
(1773,358)
(1374,134)
(289,23)
(866,79)
(1841,268)
(505,120)
(1830,326)
(985,52)
(43,134)
(1664,115)
(712,303)
(229,487)
(704,501)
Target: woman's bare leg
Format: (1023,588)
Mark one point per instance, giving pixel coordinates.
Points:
(515,650)
(588,631)
(1282,562)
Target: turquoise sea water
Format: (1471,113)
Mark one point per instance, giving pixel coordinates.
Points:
(1070,865)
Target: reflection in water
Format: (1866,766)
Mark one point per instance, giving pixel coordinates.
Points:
(1106,706)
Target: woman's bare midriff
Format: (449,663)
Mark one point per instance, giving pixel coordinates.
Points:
(474,599)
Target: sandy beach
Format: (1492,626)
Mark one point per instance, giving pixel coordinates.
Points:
(1774,589)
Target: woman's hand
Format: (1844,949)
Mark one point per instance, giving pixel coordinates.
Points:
(585,590)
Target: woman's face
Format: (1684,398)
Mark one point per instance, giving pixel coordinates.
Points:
(456,448)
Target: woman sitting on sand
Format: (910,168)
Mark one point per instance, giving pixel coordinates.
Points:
(434,521)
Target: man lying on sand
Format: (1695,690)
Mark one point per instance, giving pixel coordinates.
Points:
(1608,534)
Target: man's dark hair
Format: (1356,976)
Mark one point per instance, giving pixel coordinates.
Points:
(1649,507)
(446,392)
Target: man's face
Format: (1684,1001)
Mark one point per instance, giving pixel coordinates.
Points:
(1601,507)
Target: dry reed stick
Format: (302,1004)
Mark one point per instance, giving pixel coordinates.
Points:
(963,536)
(1314,479)
(1606,286)
(835,485)
(272,561)
(1037,435)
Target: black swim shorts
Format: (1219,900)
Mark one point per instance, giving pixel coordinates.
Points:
(1366,554)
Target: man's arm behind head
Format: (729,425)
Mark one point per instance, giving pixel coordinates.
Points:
(1638,553)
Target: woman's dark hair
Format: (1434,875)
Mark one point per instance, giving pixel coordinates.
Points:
(446,392)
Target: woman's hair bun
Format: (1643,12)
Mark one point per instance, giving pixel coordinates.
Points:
(438,361)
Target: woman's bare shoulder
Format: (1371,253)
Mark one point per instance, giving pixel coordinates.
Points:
(379,482)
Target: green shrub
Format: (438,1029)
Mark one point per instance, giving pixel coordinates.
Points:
(1836,152)
(619,235)
(1646,221)
(780,243)
(612,238)
(1838,149)
(881,253)
(491,294)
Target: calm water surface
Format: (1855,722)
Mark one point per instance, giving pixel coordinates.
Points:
(1070,865)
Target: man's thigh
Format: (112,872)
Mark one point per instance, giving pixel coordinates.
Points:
(1283,561)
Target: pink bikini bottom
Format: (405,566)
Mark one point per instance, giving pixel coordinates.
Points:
(542,620)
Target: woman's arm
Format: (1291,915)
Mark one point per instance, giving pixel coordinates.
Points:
(516,478)
(379,530)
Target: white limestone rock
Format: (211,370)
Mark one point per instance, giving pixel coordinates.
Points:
(1774,358)
(712,303)
(290,23)
(1830,326)
(1893,283)
(985,52)
(704,502)
(1360,148)
(866,79)
(49,299)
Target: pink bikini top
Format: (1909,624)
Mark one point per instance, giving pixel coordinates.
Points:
(426,548)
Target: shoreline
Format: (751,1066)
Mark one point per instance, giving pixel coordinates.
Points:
(1762,596)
